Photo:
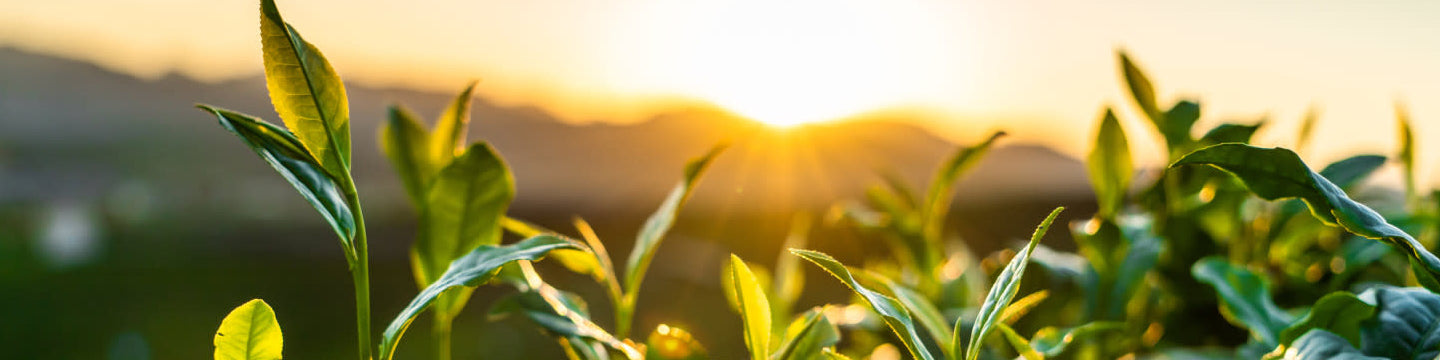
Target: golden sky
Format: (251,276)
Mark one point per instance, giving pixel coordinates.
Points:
(1041,69)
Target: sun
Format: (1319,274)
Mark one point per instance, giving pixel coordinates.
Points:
(785,63)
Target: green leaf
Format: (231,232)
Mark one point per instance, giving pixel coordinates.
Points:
(1323,345)
(942,189)
(1178,122)
(789,279)
(890,310)
(1019,308)
(448,139)
(1338,312)
(1347,173)
(1404,325)
(648,240)
(404,140)
(1407,150)
(464,208)
(830,354)
(1307,127)
(1245,297)
(471,270)
(924,312)
(284,152)
(1109,166)
(1052,341)
(807,337)
(1021,345)
(754,308)
(306,92)
(672,343)
(1141,91)
(564,317)
(1230,133)
(1279,173)
(249,332)
(1004,289)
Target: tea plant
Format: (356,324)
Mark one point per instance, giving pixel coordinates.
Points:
(1220,231)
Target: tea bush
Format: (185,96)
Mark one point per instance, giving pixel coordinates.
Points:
(1295,267)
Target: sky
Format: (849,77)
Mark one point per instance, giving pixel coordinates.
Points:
(1042,70)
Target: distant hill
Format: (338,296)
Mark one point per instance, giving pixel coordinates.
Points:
(72,130)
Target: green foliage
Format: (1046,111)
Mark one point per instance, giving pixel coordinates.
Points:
(249,332)
(288,156)
(471,270)
(1279,173)
(1110,166)
(807,337)
(1245,297)
(648,240)
(463,209)
(1006,285)
(891,310)
(1339,313)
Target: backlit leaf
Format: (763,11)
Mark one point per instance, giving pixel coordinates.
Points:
(448,139)
(249,332)
(404,141)
(807,337)
(890,310)
(471,270)
(754,308)
(464,208)
(306,91)
(1004,289)
(1109,166)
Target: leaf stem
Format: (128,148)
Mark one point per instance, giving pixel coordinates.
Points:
(360,271)
(441,335)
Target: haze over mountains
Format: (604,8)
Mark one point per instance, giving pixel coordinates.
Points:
(72,130)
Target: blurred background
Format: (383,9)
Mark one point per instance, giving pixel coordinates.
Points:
(130,223)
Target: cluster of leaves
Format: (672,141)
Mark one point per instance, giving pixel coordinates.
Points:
(1154,267)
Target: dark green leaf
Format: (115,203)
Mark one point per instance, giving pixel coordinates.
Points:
(1339,313)
(1324,345)
(1110,166)
(471,270)
(1349,172)
(1245,297)
(1406,323)
(1004,289)
(404,140)
(1230,133)
(890,310)
(1279,173)
(249,332)
(563,317)
(284,152)
(306,92)
(807,336)
(1178,122)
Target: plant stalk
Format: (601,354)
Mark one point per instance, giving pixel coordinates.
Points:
(360,271)
(441,335)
